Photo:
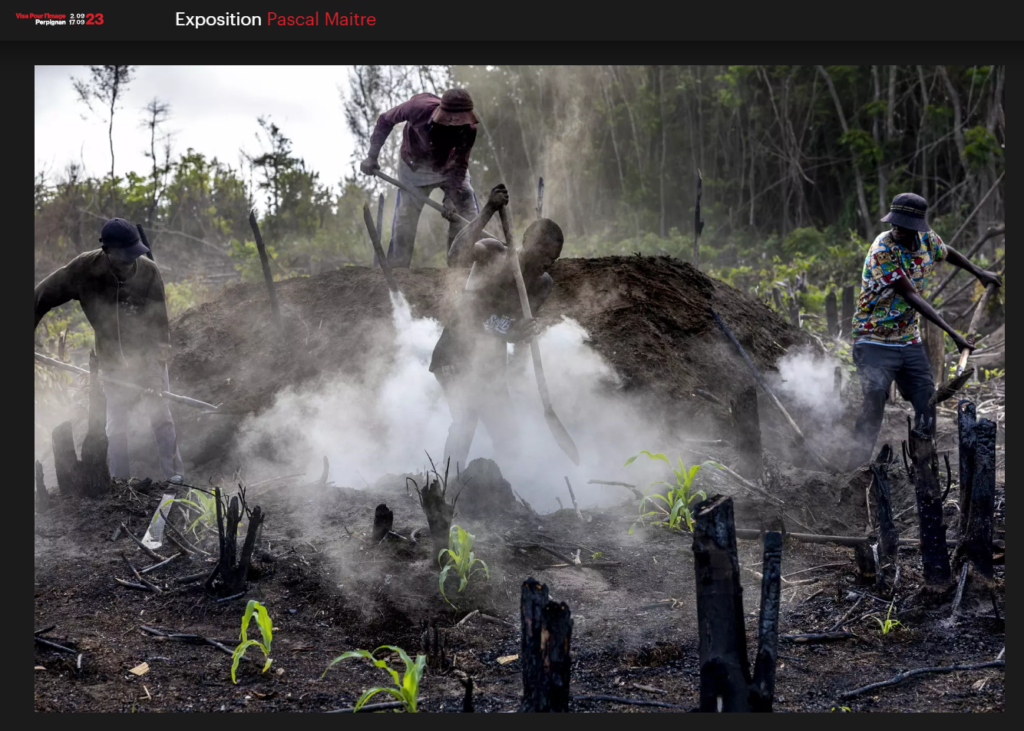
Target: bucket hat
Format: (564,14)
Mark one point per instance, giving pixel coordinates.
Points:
(908,211)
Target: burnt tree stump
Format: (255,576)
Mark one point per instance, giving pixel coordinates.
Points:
(832,314)
(867,569)
(846,323)
(439,513)
(232,569)
(94,469)
(888,535)
(383,520)
(837,381)
(42,494)
(432,642)
(976,543)
(965,421)
(544,650)
(934,556)
(65,459)
(726,684)
(748,433)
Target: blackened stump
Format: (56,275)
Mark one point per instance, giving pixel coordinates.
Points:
(95,471)
(383,520)
(65,459)
(725,681)
(867,571)
(233,570)
(934,556)
(965,420)
(42,494)
(977,541)
(832,314)
(888,536)
(544,650)
(846,321)
(747,425)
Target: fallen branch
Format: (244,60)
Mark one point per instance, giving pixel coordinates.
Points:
(132,585)
(575,505)
(900,677)
(750,486)
(142,580)
(163,563)
(371,707)
(632,488)
(818,637)
(190,639)
(54,645)
(145,549)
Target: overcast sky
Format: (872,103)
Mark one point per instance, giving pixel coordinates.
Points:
(213,110)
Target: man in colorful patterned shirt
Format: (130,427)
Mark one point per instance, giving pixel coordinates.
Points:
(886,332)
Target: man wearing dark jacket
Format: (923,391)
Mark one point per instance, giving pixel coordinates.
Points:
(470,358)
(887,339)
(438,137)
(122,295)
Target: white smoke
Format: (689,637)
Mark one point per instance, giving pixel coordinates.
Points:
(387,424)
(808,380)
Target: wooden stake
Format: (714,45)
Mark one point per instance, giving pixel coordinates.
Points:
(846,322)
(832,314)
(747,424)
(888,536)
(976,543)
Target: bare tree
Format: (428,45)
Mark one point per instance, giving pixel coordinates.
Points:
(157,113)
(105,86)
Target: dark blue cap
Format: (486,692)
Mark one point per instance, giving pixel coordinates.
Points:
(908,211)
(121,239)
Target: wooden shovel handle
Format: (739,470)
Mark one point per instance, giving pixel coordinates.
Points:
(524,300)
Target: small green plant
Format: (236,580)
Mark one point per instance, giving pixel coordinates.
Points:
(675,513)
(842,709)
(407,688)
(205,507)
(889,624)
(460,557)
(266,629)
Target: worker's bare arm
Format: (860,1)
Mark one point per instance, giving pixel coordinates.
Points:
(463,251)
(906,289)
(957,259)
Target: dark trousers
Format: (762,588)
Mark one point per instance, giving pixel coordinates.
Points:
(473,400)
(878,366)
(408,216)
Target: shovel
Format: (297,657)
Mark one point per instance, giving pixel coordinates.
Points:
(961,376)
(558,431)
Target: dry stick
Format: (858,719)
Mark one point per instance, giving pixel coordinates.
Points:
(900,677)
(553,552)
(265,263)
(191,639)
(145,549)
(371,707)
(44,630)
(632,488)
(142,580)
(959,594)
(815,568)
(163,563)
(55,646)
(749,485)
(467,617)
(846,616)
(575,506)
(649,689)
(771,395)
(819,637)
(132,585)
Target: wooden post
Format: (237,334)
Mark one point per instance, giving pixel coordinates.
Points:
(725,681)
(965,420)
(265,263)
(888,536)
(937,572)
(748,433)
(977,541)
(544,650)
(832,314)
(94,469)
(42,494)
(65,459)
(846,319)
(383,520)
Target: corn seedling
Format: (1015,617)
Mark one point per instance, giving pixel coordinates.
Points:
(205,510)
(407,687)
(841,709)
(675,512)
(889,624)
(460,557)
(266,629)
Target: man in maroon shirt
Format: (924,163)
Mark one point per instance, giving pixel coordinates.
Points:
(439,134)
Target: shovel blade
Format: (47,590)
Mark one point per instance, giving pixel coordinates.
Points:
(947,390)
(561,436)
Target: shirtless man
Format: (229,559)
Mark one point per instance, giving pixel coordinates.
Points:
(470,358)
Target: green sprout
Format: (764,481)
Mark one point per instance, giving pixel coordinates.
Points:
(842,709)
(407,688)
(205,508)
(889,624)
(266,629)
(460,557)
(678,500)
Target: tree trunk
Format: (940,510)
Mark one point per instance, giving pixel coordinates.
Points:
(42,494)
(862,200)
(544,650)
(65,459)
(847,317)
(888,535)
(664,146)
